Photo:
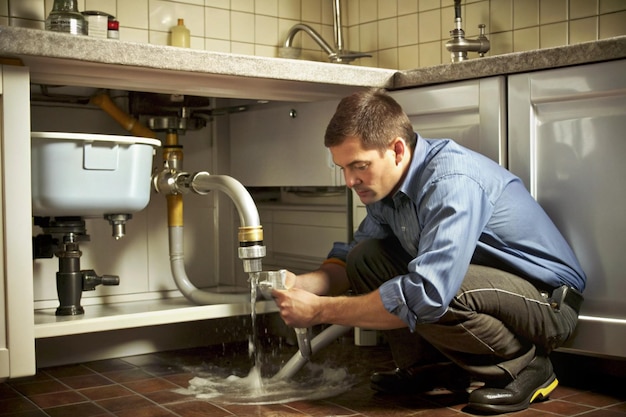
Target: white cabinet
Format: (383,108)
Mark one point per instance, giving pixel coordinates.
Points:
(17,342)
(567,143)
(283,145)
(473,113)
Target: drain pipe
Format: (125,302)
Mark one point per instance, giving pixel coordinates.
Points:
(175,182)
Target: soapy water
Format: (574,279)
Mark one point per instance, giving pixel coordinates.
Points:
(319,382)
(314,382)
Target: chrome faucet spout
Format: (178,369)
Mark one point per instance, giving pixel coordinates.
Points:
(301,27)
(337,54)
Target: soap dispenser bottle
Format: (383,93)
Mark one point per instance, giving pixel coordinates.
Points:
(180,35)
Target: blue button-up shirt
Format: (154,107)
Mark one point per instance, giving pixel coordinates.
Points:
(457,207)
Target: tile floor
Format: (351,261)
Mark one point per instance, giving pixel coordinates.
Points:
(145,385)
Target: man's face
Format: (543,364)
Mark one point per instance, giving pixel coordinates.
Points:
(369,173)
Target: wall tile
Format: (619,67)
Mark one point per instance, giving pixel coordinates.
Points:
(266,31)
(526,39)
(429,26)
(217,23)
(430,53)
(608,6)
(525,13)
(27,9)
(388,58)
(551,11)
(368,36)
(242,5)
(408,57)
(476,14)
(553,35)
(289,9)
(407,29)
(407,6)
(582,8)
(368,10)
(501,43)
(133,14)
(266,7)
(4,8)
(387,9)
(217,45)
(388,33)
(311,11)
(424,5)
(134,35)
(241,27)
(447,22)
(501,16)
(612,24)
(583,30)
(107,6)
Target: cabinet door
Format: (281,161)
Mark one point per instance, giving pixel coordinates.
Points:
(283,145)
(473,113)
(17,340)
(567,144)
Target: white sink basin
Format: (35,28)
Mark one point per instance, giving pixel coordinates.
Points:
(89,175)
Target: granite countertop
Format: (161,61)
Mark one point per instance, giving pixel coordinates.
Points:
(56,58)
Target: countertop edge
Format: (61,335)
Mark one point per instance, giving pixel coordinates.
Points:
(527,61)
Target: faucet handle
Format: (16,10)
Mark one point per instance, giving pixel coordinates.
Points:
(481,29)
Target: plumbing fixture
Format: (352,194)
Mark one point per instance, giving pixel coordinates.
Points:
(319,342)
(458,45)
(174,182)
(61,237)
(337,54)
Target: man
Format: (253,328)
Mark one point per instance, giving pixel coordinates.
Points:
(455,260)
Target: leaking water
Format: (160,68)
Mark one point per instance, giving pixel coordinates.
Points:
(314,381)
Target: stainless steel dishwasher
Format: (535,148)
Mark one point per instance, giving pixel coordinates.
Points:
(567,142)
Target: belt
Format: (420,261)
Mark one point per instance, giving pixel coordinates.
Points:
(565,295)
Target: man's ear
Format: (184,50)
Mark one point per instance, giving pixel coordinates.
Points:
(400,149)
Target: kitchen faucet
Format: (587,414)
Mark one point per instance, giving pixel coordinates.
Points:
(458,45)
(336,55)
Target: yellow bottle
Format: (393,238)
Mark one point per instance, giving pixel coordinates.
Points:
(180,35)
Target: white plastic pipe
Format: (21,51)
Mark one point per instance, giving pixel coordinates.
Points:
(318,343)
(185,286)
(203,183)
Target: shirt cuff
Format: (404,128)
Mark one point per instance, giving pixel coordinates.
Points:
(395,303)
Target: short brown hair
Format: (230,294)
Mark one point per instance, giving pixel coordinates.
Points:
(371,115)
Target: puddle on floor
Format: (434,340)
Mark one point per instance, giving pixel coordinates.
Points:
(315,381)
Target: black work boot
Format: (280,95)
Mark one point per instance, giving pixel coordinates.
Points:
(534,383)
(421,379)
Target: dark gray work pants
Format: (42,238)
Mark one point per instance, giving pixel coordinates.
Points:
(493,328)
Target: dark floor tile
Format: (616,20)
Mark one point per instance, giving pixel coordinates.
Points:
(107,391)
(561,407)
(32,413)
(86,381)
(182,380)
(167,397)
(150,411)
(15,404)
(199,408)
(150,385)
(124,403)
(68,371)
(127,375)
(58,398)
(6,391)
(109,365)
(75,410)
(40,387)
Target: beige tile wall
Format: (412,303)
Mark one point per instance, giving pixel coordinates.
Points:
(399,34)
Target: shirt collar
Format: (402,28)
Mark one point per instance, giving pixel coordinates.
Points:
(409,186)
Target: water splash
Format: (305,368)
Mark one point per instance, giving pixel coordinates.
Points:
(320,381)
